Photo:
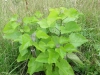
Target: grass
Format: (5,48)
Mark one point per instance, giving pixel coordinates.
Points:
(90,24)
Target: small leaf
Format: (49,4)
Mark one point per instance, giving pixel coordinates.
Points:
(43,57)
(77,39)
(34,66)
(53,56)
(41,34)
(61,51)
(64,67)
(74,58)
(70,27)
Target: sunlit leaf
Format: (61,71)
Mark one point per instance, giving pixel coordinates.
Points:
(64,67)
(51,44)
(22,52)
(61,51)
(77,39)
(50,70)
(70,27)
(24,57)
(43,57)
(41,34)
(25,41)
(42,45)
(34,66)
(10,27)
(63,40)
(53,56)
(70,48)
(43,23)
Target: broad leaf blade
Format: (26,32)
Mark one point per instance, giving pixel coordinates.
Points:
(77,39)
(24,57)
(43,57)
(70,48)
(34,66)
(61,51)
(70,27)
(64,67)
(41,34)
(43,23)
(50,71)
(53,56)
(25,40)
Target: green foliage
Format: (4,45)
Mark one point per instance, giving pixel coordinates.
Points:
(45,42)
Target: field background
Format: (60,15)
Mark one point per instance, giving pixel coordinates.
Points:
(90,24)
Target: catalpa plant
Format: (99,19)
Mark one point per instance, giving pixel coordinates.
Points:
(47,42)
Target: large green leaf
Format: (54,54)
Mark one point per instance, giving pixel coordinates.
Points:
(70,48)
(43,23)
(52,17)
(54,30)
(10,27)
(41,34)
(64,67)
(22,52)
(26,56)
(74,58)
(73,13)
(26,28)
(77,39)
(25,41)
(42,45)
(34,66)
(70,27)
(61,51)
(13,36)
(43,57)
(63,40)
(55,39)
(51,44)
(53,56)
(51,71)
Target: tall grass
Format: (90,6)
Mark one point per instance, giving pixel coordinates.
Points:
(89,22)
